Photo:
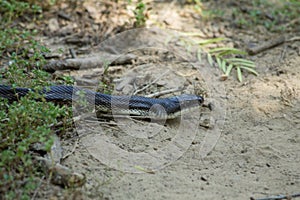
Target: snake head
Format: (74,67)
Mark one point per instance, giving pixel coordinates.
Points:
(183,103)
(189,100)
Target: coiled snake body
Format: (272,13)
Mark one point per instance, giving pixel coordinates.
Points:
(138,106)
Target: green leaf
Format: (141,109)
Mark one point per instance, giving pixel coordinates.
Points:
(239,74)
(199,53)
(228,70)
(239,60)
(225,51)
(210,59)
(209,41)
(223,66)
(243,64)
(250,70)
(140,168)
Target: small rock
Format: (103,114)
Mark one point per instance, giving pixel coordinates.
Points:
(204,178)
(161,83)
(223,77)
(53,25)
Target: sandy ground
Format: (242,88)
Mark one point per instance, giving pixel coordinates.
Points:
(249,149)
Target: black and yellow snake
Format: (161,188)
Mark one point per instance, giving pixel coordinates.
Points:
(145,107)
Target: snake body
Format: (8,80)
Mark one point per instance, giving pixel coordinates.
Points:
(139,106)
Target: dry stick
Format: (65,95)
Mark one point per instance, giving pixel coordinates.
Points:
(279,197)
(266,45)
(73,53)
(64,16)
(151,83)
(293,39)
(282,55)
(270,44)
(72,151)
(156,94)
(89,62)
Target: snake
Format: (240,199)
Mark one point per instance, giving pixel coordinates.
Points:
(136,106)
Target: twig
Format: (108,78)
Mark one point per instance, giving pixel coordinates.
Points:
(37,188)
(279,197)
(156,94)
(151,83)
(282,55)
(64,16)
(72,151)
(266,45)
(72,52)
(293,39)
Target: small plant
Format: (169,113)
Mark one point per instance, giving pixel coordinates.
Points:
(226,62)
(23,124)
(66,80)
(197,5)
(105,85)
(226,58)
(13,9)
(26,121)
(139,13)
(276,16)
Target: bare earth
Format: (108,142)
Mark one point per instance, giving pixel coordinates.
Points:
(257,153)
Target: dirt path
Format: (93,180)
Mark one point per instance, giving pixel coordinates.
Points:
(256,155)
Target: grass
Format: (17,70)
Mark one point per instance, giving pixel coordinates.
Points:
(27,121)
(275,16)
(13,9)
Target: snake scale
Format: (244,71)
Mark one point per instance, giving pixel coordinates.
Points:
(139,106)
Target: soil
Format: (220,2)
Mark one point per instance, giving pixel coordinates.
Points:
(246,145)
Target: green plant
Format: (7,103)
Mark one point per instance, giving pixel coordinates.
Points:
(24,71)
(13,9)
(105,85)
(278,16)
(67,80)
(226,58)
(197,4)
(26,121)
(23,124)
(139,13)
(226,61)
